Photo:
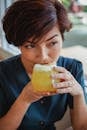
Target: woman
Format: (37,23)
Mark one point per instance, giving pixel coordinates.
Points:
(37,28)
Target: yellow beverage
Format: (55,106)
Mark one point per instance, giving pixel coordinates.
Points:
(41,78)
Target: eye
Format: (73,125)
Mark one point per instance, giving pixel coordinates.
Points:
(54,43)
(30,46)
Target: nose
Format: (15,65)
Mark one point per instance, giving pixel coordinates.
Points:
(44,55)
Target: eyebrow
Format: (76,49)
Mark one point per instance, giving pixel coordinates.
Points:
(52,37)
(56,35)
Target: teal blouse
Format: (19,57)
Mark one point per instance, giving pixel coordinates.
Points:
(41,115)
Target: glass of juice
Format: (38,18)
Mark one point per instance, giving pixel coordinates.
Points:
(41,78)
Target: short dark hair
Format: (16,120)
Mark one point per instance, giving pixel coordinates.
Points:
(26,19)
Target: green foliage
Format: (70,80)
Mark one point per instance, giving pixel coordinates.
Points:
(66,3)
(85,9)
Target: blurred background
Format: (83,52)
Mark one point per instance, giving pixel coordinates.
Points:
(75,44)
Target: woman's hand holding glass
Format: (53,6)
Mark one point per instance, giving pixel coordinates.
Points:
(30,96)
(67,84)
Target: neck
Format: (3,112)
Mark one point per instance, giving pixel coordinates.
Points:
(27,65)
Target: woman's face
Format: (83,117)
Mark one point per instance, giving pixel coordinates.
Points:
(46,51)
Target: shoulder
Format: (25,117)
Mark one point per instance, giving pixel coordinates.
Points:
(8,66)
(9,60)
(70,64)
(66,60)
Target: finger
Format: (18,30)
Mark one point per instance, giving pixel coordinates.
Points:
(43,93)
(59,69)
(64,84)
(64,90)
(38,94)
(63,76)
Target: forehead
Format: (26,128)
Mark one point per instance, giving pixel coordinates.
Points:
(54,31)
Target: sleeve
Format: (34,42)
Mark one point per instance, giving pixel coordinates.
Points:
(77,72)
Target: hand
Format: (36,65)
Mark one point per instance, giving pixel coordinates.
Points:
(68,83)
(30,96)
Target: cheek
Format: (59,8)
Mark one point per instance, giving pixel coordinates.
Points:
(28,55)
(54,54)
(56,51)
